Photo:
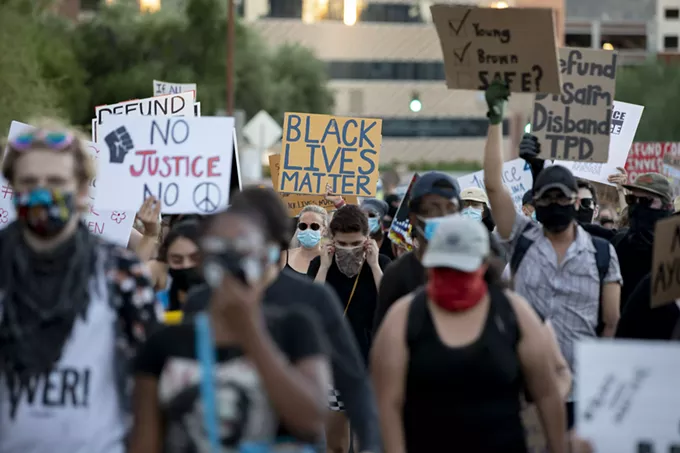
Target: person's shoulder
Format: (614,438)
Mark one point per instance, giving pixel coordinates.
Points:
(405,260)
(290,282)
(598,231)
(384,261)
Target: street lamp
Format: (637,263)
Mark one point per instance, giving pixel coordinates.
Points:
(349,13)
(149,6)
(608,46)
(500,5)
(415,105)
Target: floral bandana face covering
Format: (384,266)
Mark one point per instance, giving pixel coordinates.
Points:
(44,212)
(349,259)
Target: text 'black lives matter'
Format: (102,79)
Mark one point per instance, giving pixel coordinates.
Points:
(160,106)
(62,388)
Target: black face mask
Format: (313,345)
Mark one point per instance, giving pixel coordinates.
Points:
(184,279)
(555,218)
(585,215)
(643,218)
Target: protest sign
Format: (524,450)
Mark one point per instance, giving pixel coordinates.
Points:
(647,157)
(514,45)
(627,395)
(161,88)
(236,181)
(181,104)
(325,150)
(294,201)
(625,120)
(671,169)
(197,109)
(94,129)
(516,177)
(112,225)
(666,264)
(184,162)
(576,124)
(400,229)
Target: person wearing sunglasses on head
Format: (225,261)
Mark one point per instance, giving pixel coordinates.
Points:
(74,307)
(311,228)
(377,210)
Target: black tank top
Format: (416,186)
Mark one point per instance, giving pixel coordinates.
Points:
(291,267)
(465,398)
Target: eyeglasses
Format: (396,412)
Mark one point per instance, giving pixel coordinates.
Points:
(558,199)
(632,200)
(587,203)
(57,141)
(302,226)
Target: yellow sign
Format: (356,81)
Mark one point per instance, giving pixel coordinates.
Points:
(295,202)
(325,150)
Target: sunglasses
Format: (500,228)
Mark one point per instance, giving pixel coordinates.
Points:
(587,203)
(302,226)
(57,141)
(632,200)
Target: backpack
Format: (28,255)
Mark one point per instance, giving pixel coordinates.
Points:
(602,259)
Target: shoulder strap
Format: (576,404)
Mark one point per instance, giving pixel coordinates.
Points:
(602,259)
(416,316)
(521,247)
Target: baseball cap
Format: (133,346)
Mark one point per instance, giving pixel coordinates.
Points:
(555,177)
(474,194)
(373,204)
(528,198)
(435,183)
(459,243)
(654,183)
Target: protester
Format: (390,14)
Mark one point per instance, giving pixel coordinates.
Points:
(176,270)
(449,360)
(272,375)
(290,290)
(476,206)
(649,200)
(311,227)
(352,265)
(434,195)
(568,276)
(149,215)
(376,210)
(74,308)
(607,217)
(528,204)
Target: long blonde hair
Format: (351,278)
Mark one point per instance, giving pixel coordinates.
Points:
(315,209)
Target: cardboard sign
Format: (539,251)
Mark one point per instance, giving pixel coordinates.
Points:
(647,157)
(514,45)
(627,398)
(161,88)
(112,225)
(197,109)
(666,267)
(576,124)
(321,150)
(295,202)
(400,229)
(516,177)
(625,121)
(184,162)
(181,104)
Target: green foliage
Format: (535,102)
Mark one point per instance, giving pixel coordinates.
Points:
(426,165)
(656,86)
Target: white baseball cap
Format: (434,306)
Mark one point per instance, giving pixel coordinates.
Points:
(459,243)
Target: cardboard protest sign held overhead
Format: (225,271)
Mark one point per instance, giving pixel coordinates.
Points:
(186,163)
(576,124)
(295,201)
(666,267)
(325,150)
(516,178)
(514,45)
(181,104)
(647,157)
(160,88)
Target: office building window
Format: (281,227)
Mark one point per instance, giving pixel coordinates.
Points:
(437,127)
(391,12)
(574,40)
(386,70)
(672,13)
(625,42)
(285,8)
(670,42)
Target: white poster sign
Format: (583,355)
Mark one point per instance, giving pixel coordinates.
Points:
(184,162)
(625,120)
(160,88)
(113,225)
(197,109)
(181,104)
(627,395)
(516,177)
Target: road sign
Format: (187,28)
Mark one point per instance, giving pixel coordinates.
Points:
(262,131)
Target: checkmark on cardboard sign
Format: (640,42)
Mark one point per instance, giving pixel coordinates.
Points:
(457,28)
(460,54)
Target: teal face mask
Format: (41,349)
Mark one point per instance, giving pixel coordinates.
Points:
(373,224)
(472,213)
(309,238)
(533,216)
(431,226)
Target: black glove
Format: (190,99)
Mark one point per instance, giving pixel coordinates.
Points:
(529,148)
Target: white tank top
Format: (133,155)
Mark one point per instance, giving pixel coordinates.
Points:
(76,408)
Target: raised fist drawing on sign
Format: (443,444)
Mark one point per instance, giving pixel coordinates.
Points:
(119,143)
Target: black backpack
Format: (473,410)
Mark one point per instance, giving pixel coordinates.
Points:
(602,259)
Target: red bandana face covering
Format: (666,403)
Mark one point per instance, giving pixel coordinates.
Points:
(454,290)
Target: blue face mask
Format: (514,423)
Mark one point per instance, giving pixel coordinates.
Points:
(472,213)
(374,224)
(309,238)
(533,216)
(431,226)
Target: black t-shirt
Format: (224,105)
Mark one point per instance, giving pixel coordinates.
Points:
(599,231)
(244,410)
(361,308)
(402,277)
(642,322)
(386,248)
(635,259)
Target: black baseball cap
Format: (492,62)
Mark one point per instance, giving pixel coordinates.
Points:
(528,198)
(555,177)
(435,183)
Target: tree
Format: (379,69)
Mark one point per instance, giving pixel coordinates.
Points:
(655,86)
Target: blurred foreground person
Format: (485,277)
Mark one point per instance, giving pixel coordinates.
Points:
(271,375)
(73,311)
(449,360)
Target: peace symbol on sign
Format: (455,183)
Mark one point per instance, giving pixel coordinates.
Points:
(207,197)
